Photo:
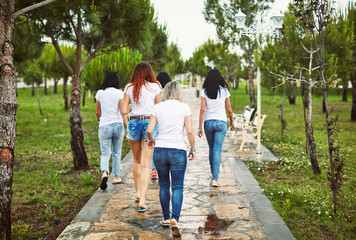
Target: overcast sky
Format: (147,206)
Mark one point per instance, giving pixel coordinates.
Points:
(186,24)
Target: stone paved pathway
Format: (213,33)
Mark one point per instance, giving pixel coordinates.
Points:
(237,210)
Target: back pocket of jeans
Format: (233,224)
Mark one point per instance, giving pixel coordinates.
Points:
(132,128)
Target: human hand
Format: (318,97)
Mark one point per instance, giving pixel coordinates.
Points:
(151,144)
(200,133)
(191,155)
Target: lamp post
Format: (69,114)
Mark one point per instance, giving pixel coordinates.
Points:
(258,28)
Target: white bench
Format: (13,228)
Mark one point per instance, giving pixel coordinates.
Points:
(240,120)
(249,132)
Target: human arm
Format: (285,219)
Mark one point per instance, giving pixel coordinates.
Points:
(124,108)
(149,131)
(201,116)
(98,110)
(229,112)
(190,135)
(158,97)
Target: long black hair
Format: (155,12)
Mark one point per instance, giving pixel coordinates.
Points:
(163,78)
(212,83)
(111,80)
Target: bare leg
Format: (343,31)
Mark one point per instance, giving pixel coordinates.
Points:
(136,166)
(145,171)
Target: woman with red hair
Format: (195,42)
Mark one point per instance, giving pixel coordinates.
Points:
(143,92)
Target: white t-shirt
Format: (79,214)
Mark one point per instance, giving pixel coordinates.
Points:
(170,116)
(109,104)
(147,99)
(215,108)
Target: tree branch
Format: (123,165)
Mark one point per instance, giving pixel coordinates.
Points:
(32,7)
(61,56)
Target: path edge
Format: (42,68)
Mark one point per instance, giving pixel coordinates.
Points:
(82,223)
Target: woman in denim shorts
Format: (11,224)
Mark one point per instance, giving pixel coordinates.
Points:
(215,101)
(143,92)
(111,127)
(170,156)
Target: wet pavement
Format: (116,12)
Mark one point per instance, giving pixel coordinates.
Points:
(236,210)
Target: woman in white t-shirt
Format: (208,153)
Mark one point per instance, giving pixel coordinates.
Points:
(170,156)
(143,92)
(111,127)
(215,100)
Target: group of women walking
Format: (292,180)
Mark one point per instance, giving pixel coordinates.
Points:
(156,119)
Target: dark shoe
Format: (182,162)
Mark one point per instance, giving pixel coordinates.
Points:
(103,184)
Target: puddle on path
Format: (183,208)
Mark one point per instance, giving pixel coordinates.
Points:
(214,224)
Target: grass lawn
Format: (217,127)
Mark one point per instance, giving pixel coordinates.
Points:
(303,199)
(47,191)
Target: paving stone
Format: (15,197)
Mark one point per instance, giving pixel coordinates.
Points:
(110,217)
(118,235)
(230,211)
(227,235)
(116,208)
(111,226)
(148,235)
(257,235)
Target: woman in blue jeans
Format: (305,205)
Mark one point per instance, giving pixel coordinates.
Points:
(111,127)
(170,156)
(215,101)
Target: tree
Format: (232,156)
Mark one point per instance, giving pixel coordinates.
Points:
(173,61)
(8,108)
(315,15)
(222,15)
(122,62)
(156,53)
(352,25)
(99,27)
(54,68)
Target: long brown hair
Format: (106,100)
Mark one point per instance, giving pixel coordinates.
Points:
(143,71)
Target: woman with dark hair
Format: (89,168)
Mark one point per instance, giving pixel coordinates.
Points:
(163,79)
(215,100)
(143,92)
(111,127)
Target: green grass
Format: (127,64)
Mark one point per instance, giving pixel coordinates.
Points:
(45,185)
(303,199)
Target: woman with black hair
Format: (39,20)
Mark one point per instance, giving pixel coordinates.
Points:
(111,126)
(215,100)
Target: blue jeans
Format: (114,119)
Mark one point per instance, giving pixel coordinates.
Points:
(215,131)
(136,129)
(170,161)
(153,166)
(111,136)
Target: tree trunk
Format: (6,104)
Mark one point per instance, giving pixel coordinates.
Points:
(344,92)
(292,95)
(8,109)
(80,159)
(33,89)
(45,86)
(55,86)
(353,108)
(310,134)
(38,101)
(324,105)
(304,91)
(84,93)
(65,92)
(250,80)
(305,125)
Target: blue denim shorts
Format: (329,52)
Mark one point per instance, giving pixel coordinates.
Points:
(136,129)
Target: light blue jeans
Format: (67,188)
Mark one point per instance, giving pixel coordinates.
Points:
(111,137)
(171,164)
(215,131)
